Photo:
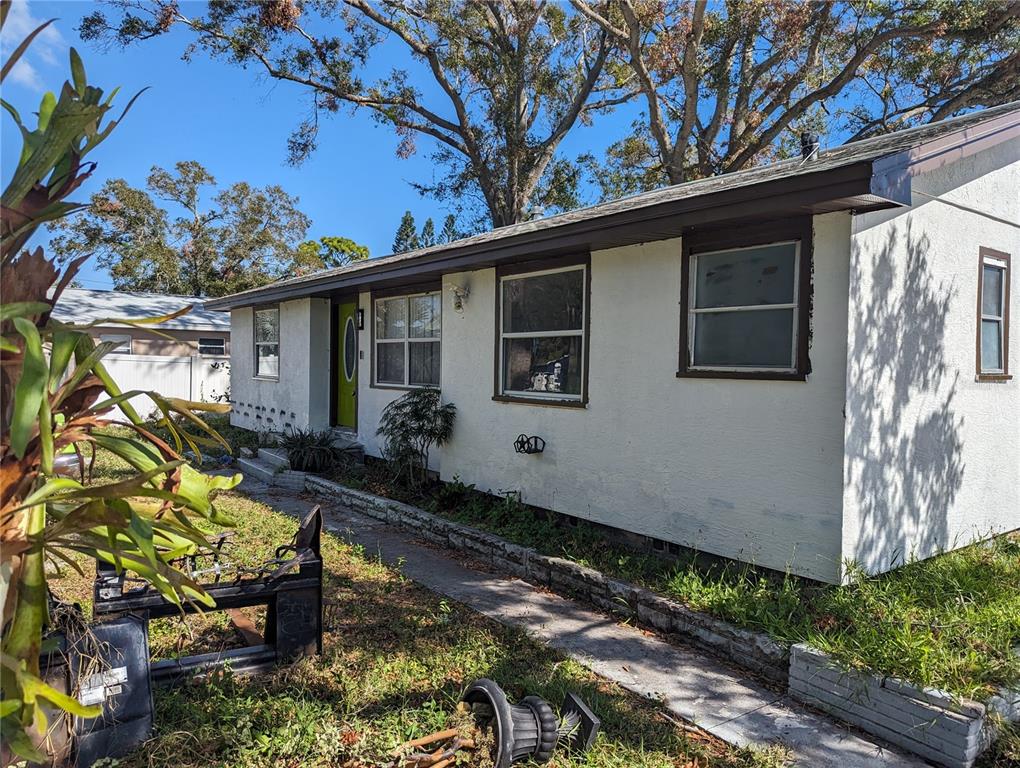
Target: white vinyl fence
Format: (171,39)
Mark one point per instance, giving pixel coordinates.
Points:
(204,378)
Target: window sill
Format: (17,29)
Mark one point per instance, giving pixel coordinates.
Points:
(266,378)
(993,377)
(540,401)
(404,387)
(746,375)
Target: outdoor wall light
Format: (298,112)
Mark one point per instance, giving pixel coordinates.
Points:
(460,294)
(361,319)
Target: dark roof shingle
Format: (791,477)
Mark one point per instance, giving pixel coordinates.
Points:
(827,159)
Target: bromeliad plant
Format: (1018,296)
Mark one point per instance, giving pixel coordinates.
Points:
(55,395)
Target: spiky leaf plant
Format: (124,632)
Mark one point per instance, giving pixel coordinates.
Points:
(55,394)
(311,450)
(411,425)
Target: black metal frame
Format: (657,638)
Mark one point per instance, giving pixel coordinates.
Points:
(290,588)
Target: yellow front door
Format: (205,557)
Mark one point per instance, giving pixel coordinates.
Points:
(347,381)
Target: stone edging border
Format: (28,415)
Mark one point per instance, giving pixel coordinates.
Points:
(928,722)
(752,650)
(931,723)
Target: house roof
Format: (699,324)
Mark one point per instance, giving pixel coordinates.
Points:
(863,175)
(83,305)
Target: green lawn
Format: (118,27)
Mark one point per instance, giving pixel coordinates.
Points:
(392,669)
(950,622)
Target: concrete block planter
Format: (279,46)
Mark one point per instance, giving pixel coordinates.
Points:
(752,650)
(931,723)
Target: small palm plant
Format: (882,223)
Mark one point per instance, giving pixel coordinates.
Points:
(411,425)
(55,395)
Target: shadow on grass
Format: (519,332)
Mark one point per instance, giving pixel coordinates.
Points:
(393,667)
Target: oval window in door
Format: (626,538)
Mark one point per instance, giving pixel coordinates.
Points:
(350,349)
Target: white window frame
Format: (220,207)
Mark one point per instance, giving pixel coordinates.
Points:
(503,335)
(693,311)
(279,346)
(119,338)
(1002,265)
(406,341)
(217,342)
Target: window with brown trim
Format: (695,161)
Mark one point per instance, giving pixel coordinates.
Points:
(745,299)
(541,330)
(267,342)
(407,340)
(993,316)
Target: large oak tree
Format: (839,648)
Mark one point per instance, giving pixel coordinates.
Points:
(496,86)
(726,85)
(205,243)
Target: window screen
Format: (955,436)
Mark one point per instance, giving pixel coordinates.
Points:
(744,308)
(542,333)
(407,340)
(267,342)
(122,340)
(993,311)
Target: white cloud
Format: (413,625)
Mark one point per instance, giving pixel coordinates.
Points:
(47,50)
(25,74)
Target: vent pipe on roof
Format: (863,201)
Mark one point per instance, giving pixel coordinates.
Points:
(809,145)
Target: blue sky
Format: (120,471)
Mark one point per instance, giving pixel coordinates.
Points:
(236,123)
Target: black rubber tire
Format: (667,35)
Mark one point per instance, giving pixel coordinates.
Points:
(548,722)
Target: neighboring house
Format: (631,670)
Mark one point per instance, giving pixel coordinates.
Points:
(186,357)
(797,365)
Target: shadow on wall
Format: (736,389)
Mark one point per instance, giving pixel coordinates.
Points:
(904,445)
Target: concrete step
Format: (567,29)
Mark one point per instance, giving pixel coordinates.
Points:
(272,474)
(257,468)
(348,443)
(276,457)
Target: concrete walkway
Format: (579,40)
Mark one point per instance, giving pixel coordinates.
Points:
(694,686)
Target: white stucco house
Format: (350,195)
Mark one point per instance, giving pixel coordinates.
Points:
(798,365)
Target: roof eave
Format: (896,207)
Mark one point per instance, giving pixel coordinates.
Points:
(868,184)
(831,189)
(893,173)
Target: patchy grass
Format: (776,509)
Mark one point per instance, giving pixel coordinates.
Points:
(1005,752)
(950,622)
(392,669)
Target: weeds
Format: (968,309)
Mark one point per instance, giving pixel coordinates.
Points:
(949,622)
(1005,752)
(392,668)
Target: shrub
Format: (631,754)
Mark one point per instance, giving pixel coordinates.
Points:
(310,450)
(451,496)
(410,426)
